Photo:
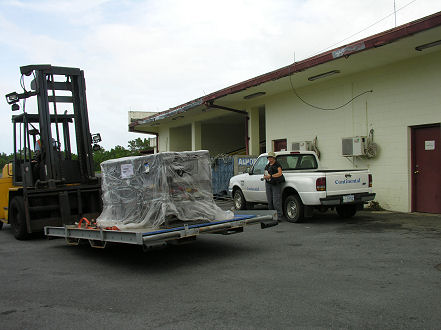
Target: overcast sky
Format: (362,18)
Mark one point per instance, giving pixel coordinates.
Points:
(153,55)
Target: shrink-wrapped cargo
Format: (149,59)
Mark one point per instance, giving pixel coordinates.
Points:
(156,190)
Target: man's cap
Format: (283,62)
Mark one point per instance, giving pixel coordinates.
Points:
(271,154)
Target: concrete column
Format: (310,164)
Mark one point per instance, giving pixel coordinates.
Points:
(196,136)
(164,139)
(253,131)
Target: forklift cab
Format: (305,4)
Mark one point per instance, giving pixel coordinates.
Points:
(42,141)
(30,160)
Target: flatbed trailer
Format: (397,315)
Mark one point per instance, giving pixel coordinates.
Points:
(149,237)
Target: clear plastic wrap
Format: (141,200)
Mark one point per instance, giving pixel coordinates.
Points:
(155,190)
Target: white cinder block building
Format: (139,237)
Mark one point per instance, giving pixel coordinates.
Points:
(394,79)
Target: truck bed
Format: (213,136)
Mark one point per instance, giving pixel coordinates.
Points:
(148,237)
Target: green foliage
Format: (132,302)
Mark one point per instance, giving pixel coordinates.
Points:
(134,149)
(138,144)
(4,159)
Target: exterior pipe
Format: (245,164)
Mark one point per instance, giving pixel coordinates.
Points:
(162,236)
(221,107)
(247,138)
(211,104)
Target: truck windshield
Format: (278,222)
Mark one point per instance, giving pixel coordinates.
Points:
(297,162)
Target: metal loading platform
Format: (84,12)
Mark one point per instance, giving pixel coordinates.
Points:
(149,237)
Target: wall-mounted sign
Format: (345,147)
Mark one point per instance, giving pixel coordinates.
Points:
(246,161)
(429,145)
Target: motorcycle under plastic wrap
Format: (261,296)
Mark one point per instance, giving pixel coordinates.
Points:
(156,190)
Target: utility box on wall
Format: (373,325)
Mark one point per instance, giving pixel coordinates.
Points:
(353,146)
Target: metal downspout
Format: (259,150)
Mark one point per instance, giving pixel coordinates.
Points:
(247,138)
(211,104)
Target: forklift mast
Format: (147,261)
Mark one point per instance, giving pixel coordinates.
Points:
(50,85)
(51,185)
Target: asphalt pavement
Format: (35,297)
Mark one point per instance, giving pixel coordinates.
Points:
(376,270)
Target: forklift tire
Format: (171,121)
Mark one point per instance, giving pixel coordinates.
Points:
(1,225)
(18,219)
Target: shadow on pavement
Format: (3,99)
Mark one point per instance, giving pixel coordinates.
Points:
(161,258)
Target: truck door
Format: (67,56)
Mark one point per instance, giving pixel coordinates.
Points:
(254,187)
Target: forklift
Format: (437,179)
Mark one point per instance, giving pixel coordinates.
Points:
(47,183)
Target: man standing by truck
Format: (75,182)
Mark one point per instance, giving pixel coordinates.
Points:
(273,182)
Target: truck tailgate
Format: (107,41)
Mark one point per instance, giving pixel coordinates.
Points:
(347,182)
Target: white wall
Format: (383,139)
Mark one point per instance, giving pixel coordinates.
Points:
(180,138)
(404,94)
(164,139)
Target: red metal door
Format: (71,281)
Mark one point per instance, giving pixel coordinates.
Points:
(279,145)
(426,169)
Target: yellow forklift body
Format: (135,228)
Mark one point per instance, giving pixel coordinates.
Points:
(5,187)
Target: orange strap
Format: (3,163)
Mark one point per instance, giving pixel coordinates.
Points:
(91,225)
(88,226)
(112,228)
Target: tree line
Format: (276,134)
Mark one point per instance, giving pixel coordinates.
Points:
(134,148)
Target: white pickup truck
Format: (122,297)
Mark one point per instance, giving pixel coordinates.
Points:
(306,187)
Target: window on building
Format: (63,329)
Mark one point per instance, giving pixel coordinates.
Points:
(279,145)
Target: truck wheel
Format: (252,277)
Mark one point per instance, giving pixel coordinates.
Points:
(239,200)
(18,218)
(346,211)
(293,209)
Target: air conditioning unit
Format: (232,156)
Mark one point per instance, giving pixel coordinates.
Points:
(353,146)
(301,146)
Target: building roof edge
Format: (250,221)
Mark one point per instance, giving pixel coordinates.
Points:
(374,41)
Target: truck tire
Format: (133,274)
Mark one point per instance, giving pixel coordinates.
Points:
(293,209)
(239,200)
(18,219)
(346,211)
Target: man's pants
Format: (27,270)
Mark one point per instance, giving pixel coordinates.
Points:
(274,197)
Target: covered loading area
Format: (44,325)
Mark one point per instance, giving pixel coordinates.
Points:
(209,126)
(222,134)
